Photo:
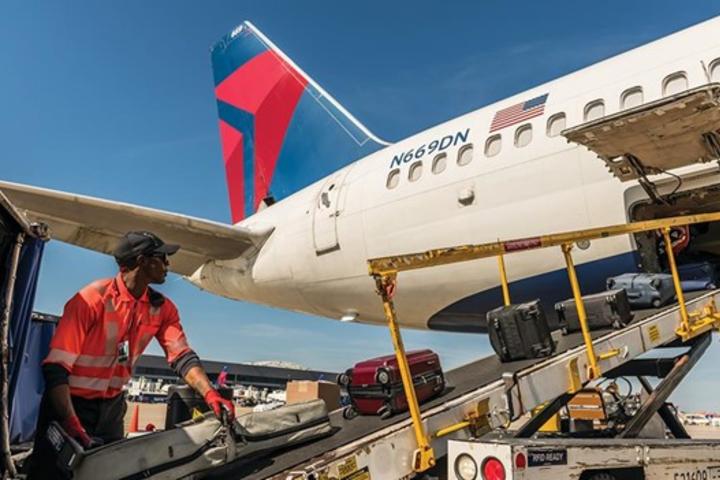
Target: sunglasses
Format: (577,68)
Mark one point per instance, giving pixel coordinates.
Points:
(162,256)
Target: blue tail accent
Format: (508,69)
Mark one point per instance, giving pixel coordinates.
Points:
(280,131)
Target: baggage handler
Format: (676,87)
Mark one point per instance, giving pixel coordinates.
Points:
(104,329)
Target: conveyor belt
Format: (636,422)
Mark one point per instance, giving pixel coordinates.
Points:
(461,380)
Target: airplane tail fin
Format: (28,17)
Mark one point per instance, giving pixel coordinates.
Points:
(280,131)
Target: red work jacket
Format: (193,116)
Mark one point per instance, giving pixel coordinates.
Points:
(101,325)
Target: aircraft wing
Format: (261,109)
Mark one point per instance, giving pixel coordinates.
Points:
(97,224)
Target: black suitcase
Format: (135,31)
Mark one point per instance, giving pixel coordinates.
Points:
(520,332)
(609,309)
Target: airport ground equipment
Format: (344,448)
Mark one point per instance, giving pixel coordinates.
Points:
(385,270)
(487,395)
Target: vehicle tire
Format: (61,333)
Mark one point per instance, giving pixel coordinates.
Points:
(656,303)
(349,412)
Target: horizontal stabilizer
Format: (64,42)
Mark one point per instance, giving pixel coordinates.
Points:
(96,224)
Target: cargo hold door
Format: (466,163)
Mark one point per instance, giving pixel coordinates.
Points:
(657,136)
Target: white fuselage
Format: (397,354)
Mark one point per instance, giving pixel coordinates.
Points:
(315,261)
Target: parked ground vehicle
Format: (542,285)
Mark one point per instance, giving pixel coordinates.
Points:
(695,419)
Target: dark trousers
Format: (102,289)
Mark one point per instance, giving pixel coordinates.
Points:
(102,418)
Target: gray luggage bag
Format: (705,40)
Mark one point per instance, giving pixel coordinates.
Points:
(195,446)
(609,309)
(645,290)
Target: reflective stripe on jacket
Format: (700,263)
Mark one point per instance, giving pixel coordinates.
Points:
(95,324)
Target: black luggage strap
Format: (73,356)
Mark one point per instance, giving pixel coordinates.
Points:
(511,381)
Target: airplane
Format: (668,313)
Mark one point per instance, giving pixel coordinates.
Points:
(540,161)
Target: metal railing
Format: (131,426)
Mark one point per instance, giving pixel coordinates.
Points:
(385,271)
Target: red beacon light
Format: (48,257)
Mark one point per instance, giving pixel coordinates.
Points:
(492,469)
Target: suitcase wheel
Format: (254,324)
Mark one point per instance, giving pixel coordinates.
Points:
(385,411)
(382,376)
(344,379)
(349,412)
(656,303)
(440,383)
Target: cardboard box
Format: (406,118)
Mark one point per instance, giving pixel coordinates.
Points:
(304,390)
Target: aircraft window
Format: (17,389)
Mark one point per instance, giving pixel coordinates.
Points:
(523,136)
(439,163)
(415,172)
(675,83)
(493,145)
(465,155)
(715,70)
(393,178)
(631,97)
(594,110)
(556,124)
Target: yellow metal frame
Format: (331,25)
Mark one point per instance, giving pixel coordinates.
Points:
(503,279)
(385,270)
(424,456)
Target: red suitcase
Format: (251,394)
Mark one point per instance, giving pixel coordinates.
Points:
(375,386)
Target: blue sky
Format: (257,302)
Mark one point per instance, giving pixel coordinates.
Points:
(115,99)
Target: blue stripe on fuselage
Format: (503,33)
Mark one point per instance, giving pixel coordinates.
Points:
(243,122)
(468,314)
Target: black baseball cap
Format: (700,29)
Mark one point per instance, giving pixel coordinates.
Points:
(133,244)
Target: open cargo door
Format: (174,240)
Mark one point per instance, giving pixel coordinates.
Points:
(657,136)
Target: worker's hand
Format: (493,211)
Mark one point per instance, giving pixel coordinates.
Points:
(74,428)
(219,404)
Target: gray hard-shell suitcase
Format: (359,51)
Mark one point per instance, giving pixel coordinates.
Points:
(609,309)
(195,446)
(520,331)
(644,290)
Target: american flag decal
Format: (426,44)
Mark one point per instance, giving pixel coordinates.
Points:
(518,113)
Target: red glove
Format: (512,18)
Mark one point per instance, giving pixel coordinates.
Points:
(218,404)
(74,428)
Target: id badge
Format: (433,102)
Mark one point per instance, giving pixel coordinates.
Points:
(123,351)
